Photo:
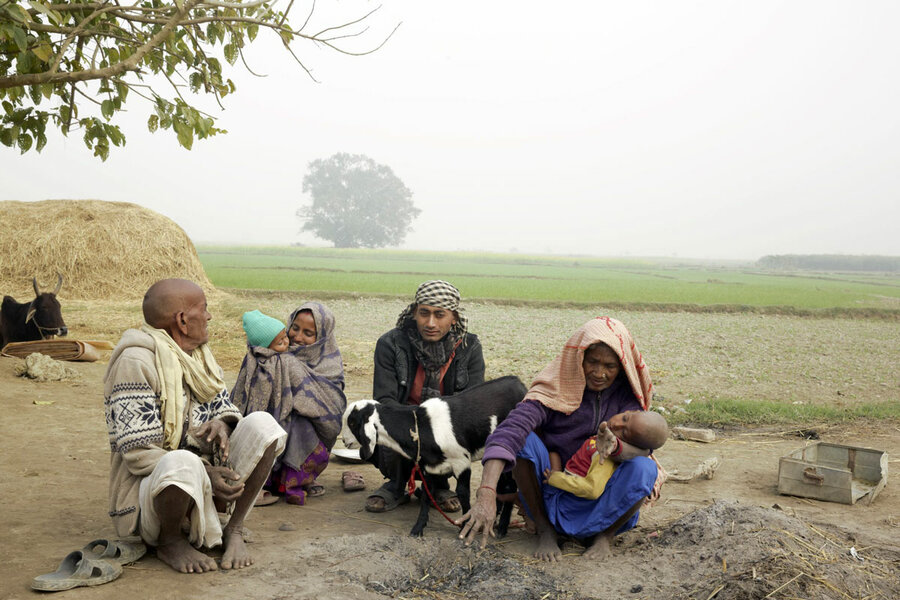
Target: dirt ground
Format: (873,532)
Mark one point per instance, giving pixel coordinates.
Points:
(729,537)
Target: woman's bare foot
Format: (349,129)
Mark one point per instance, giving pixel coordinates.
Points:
(236,555)
(600,549)
(547,546)
(183,557)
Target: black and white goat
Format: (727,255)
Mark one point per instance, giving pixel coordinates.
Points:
(444,434)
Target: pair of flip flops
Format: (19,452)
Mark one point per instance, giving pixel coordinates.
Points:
(97,563)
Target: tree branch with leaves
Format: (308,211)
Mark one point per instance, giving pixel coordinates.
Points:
(74,64)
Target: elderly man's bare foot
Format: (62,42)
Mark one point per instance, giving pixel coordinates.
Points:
(183,557)
(547,547)
(236,555)
(600,549)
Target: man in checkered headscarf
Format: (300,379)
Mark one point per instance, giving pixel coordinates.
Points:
(442,295)
(429,353)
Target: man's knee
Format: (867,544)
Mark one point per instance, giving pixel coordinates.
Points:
(180,461)
(179,469)
(259,420)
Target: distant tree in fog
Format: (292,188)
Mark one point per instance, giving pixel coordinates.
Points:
(356,202)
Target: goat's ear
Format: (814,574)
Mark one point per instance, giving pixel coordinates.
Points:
(31,310)
(37,289)
(58,283)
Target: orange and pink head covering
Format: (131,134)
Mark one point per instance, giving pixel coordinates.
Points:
(560,386)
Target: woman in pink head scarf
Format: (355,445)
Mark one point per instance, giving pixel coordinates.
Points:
(599,374)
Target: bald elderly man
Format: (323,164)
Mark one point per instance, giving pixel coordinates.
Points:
(179,446)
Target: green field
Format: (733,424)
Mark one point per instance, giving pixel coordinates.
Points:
(577,280)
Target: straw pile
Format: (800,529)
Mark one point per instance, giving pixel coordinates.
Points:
(104,250)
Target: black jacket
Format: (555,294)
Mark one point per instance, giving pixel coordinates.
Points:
(396,364)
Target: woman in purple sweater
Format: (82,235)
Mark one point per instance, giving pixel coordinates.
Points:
(599,373)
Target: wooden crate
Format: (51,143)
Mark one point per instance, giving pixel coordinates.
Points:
(833,472)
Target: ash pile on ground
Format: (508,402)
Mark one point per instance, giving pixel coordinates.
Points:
(726,551)
(404,567)
(730,551)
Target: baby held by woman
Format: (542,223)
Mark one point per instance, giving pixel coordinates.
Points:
(587,472)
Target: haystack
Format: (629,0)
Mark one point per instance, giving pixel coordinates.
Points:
(104,250)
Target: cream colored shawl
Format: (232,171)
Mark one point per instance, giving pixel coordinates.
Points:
(199,370)
(560,385)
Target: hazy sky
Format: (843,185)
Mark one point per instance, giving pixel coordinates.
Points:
(698,129)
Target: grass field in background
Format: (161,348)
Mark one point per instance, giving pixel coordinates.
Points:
(524,278)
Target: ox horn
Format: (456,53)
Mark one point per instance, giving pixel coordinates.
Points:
(37,288)
(58,283)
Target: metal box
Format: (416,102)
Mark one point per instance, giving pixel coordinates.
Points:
(833,472)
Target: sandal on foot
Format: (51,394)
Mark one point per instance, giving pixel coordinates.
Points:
(352,481)
(378,504)
(77,570)
(314,490)
(448,501)
(265,498)
(123,553)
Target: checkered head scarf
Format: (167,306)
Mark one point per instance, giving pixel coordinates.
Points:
(442,295)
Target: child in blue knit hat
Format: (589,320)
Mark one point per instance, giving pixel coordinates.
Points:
(263,330)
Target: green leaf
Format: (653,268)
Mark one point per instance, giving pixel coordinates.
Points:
(25,62)
(43,52)
(203,127)
(185,134)
(19,13)
(41,142)
(122,89)
(107,108)
(102,150)
(153,123)
(231,53)
(24,141)
(40,8)
(115,135)
(6,137)
(252,30)
(8,107)
(20,38)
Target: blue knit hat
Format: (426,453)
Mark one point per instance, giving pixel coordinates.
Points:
(261,329)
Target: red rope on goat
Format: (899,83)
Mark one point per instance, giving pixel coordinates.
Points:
(414,434)
(412,488)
